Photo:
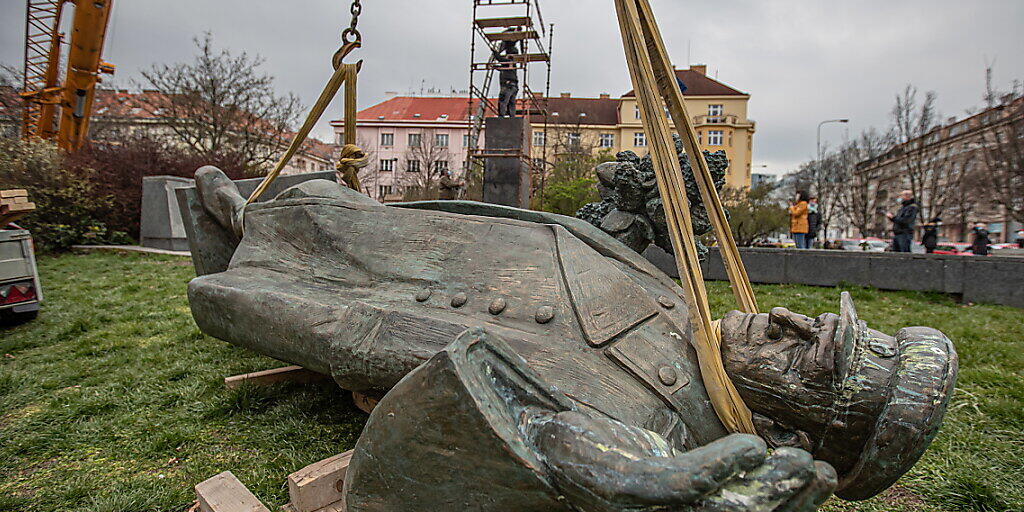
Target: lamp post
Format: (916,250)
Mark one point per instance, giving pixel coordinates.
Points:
(819,133)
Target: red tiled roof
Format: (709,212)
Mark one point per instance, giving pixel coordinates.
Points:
(699,84)
(599,111)
(404,108)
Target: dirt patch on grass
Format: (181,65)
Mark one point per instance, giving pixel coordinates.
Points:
(897,495)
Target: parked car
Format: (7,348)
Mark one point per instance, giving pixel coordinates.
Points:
(20,292)
(958,248)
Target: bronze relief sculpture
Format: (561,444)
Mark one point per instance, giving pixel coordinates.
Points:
(532,362)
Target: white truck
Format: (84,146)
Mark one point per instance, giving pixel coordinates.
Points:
(20,293)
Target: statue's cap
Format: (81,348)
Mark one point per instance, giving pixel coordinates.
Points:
(917,369)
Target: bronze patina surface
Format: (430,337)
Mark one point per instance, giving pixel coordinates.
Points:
(532,362)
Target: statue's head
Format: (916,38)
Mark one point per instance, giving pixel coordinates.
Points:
(865,402)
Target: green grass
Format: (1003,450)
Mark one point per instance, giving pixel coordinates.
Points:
(112,400)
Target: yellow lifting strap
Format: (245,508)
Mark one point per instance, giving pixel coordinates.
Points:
(352,157)
(654,81)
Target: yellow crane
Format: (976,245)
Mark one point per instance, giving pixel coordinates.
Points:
(59,110)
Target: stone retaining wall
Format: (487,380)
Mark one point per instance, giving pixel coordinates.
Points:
(990,279)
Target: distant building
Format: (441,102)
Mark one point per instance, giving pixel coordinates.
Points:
(956,145)
(757,179)
(116,112)
(407,134)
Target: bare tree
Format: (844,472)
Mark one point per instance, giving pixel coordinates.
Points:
(11,105)
(1002,146)
(916,130)
(825,180)
(426,162)
(858,196)
(221,103)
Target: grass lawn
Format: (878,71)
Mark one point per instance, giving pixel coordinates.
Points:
(112,400)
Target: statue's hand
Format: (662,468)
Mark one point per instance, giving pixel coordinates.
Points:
(602,465)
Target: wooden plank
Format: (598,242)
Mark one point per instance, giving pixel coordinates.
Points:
(224,493)
(266,377)
(320,484)
(513,36)
(365,401)
(512,21)
(18,192)
(531,57)
(20,207)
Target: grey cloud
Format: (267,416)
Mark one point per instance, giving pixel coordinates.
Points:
(803,61)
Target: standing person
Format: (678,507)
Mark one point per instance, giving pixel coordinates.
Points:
(981,240)
(813,221)
(903,222)
(930,238)
(798,219)
(1020,238)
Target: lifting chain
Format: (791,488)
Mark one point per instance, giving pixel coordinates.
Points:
(352,31)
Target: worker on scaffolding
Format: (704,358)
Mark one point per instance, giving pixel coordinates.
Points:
(508,76)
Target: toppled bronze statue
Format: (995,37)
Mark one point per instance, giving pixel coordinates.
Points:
(533,363)
(631,209)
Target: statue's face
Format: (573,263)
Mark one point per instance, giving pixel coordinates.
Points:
(785,366)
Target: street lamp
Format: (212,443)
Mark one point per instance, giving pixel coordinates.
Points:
(819,133)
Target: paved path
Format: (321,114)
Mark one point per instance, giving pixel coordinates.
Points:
(129,248)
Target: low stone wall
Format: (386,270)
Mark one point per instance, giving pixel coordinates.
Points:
(995,280)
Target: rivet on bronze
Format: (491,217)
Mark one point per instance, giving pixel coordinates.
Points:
(666,302)
(497,306)
(667,375)
(423,295)
(459,300)
(544,314)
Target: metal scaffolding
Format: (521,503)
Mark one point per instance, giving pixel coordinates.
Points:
(526,27)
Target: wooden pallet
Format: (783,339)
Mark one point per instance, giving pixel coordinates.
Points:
(318,487)
(14,204)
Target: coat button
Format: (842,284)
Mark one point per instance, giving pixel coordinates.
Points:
(423,295)
(497,306)
(544,314)
(666,302)
(459,300)
(667,375)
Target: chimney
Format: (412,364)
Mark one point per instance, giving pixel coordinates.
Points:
(538,95)
(700,68)
(390,94)
(567,95)
(606,96)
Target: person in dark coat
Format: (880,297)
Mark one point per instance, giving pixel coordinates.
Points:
(813,221)
(981,240)
(903,222)
(930,238)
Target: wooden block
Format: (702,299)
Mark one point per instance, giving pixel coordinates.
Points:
(286,374)
(18,192)
(365,401)
(20,200)
(224,493)
(21,207)
(320,484)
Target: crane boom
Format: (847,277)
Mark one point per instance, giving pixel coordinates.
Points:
(74,97)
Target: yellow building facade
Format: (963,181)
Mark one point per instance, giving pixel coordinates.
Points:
(719,116)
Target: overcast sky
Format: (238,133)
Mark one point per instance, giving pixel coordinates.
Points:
(802,61)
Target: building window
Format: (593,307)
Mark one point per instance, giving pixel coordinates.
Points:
(465,140)
(441,140)
(538,164)
(387,139)
(573,139)
(388,165)
(383,191)
(412,166)
(715,113)
(636,111)
(640,139)
(415,139)
(540,139)
(607,140)
(715,137)
(441,166)
(339,138)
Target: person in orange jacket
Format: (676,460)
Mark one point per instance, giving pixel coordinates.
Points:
(798,220)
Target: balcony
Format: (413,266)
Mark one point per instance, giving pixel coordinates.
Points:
(724,119)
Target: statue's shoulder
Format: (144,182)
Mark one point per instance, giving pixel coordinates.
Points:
(589,234)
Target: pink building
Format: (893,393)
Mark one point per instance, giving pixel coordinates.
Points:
(411,141)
